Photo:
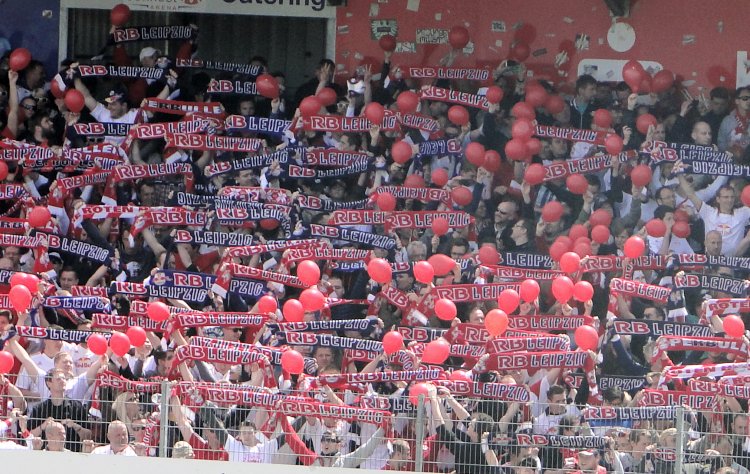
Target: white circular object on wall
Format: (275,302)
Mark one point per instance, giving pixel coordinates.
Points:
(621,37)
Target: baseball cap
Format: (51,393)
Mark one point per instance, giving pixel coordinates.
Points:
(330,436)
(148,52)
(116,94)
(55,256)
(355,85)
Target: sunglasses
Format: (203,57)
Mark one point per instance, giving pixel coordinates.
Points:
(745,97)
(237,329)
(139,428)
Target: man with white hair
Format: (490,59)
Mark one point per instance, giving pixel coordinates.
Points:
(117,435)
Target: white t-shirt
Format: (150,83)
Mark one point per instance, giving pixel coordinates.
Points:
(676,245)
(102,114)
(82,358)
(128,451)
(731,226)
(32,383)
(260,453)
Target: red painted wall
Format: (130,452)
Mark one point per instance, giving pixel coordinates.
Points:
(660,26)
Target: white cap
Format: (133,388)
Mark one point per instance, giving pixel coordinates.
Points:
(148,52)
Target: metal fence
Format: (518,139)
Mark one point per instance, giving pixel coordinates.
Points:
(323,426)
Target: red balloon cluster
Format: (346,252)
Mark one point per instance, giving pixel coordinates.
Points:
(639,80)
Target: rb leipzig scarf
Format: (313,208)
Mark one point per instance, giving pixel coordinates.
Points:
(337,123)
(252,124)
(215,355)
(65,335)
(702,344)
(727,306)
(272,246)
(420,194)
(592,164)
(455,97)
(440,147)
(732,286)
(176,107)
(380,377)
(663,398)
(332,157)
(195,295)
(297,406)
(423,72)
(81,303)
(661,328)
(695,371)
(629,413)
(661,151)
(247,69)
(418,121)
(352,235)
(535,360)
(571,134)
(360,325)
(556,441)
(697,260)
(424,219)
(153,33)
(252,162)
(122,323)
(318,253)
(325,340)
(494,391)
(716,169)
(640,290)
(723,389)
(208,237)
(473,292)
(132,72)
(222,319)
(326,205)
(187,141)
(303,172)
(222,86)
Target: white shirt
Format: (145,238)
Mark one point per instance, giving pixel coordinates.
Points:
(102,114)
(128,451)
(35,384)
(260,453)
(731,226)
(676,245)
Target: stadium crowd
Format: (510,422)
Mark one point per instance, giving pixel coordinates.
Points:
(397,273)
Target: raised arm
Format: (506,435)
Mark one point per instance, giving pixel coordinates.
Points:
(89,100)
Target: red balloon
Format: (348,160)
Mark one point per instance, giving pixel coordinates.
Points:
(459,115)
(269,224)
(600,234)
(562,289)
(656,228)
(401,152)
(418,389)
(6,362)
(414,181)
(458,37)
(536,96)
(74,100)
(17,278)
(586,337)
(632,74)
(39,217)
(267,304)
(326,96)
(640,175)
(462,195)
(567,240)
(54,87)
(3,171)
(523,110)
(267,86)
(136,336)
(577,184)
(492,161)
(516,149)
(534,174)
(600,217)
(119,343)
(577,231)
(602,118)
(407,102)
(157,311)
(308,272)
(386,202)
(380,270)
(292,362)
(475,153)
(459,375)
(613,144)
(310,105)
(634,247)
(119,15)
(570,262)
(97,344)
(293,311)
(681,229)
(508,300)
(387,43)
(583,291)
(375,113)
(662,81)
(19,59)
(522,129)
(744,197)
(552,211)
(436,352)
(582,249)
(734,326)
(393,342)
(439,177)
(440,226)
(496,322)
(556,250)
(520,52)
(533,146)
(20,298)
(442,264)
(554,104)
(423,272)
(644,121)
(28,280)
(529,290)
(494,95)
(312,299)
(488,255)
(445,309)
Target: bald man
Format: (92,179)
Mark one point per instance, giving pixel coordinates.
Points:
(701,133)
(712,243)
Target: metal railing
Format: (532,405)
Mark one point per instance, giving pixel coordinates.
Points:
(204,421)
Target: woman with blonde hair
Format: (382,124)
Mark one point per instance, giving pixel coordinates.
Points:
(126,409)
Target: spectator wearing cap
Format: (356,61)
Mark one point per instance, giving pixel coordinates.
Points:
(588,462)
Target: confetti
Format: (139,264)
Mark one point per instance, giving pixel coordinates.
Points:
(568,20)
(688,39)
(412,5)
(497,26)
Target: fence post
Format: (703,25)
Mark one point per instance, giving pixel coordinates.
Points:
(418,454)
(166,389)
(679,451)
